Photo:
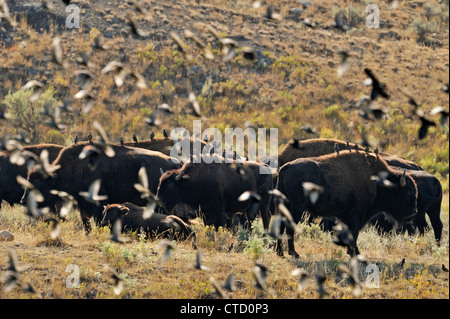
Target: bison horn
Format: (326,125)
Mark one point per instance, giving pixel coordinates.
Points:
(403,179)
(178,177)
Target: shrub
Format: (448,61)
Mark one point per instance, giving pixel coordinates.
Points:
(27,115)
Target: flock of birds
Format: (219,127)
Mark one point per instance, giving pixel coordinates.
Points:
(121,73)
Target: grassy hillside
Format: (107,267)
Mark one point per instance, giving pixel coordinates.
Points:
(292,83)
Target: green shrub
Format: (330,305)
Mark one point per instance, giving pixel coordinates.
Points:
(26,115)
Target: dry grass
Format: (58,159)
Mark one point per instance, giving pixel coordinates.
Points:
(298,85)
(146,276)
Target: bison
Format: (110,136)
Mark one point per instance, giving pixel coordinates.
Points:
(321,146)
(10,190)
(429,199)
(118,174)
(349,193)
(216,187)
(132,218)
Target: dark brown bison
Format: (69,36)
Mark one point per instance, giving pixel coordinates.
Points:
(321,146)
(429,199)
(117,174)
(349,193)
(10,190)
(132,218)
(216,187)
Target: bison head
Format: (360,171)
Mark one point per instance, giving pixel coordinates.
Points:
(113,212)
(173,185)
(400,200)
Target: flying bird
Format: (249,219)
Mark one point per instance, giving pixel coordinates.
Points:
(313,191)
(57,52)
(118,281)
(343,64)
(180,45)
(307,128)
(11,277)
(254,200)
(340,22)
(92,154)
(425,125)
(320,281)
(198,262)
(230,283)
(33,210)
(116,232)
(275,225)
(302,275)
(206,51)
(84,78)
(442,112)
(89,99)
(104,140)
(68,202)
(411,100)
(260,275)
(55,230)
(155,119)
(98,43)
(344,237)
(219,290)
(351,275)
(271,14)
(92,195)
(378,88)
(36,87)
(46,169)
(134,26)
(193,103)
(167,246)
(381,179)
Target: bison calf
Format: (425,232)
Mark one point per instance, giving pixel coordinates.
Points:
(157,225)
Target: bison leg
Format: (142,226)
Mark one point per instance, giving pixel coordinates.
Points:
(354,221)
(291,248)
(264,210)
(86,224)
(279,243)
(434,212)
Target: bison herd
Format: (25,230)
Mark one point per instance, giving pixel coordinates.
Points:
(147,190)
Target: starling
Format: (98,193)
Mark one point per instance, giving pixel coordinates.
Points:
(378,88)
(90,137)
(135,140)
(165,133)
(152,135)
